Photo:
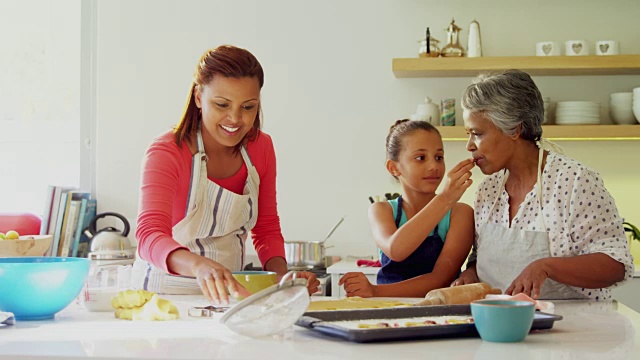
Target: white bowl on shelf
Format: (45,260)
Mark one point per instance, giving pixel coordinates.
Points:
(622,116)
(621,96)
(636,112)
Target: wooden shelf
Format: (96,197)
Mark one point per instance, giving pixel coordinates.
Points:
(563,132)
(534,65)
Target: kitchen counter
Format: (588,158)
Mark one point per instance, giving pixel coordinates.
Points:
(342,267)
(589,330)
(628,293)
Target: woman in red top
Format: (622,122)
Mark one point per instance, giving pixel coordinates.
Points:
(207,183)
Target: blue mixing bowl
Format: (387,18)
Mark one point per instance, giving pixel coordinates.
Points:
(502,320)
(36,288)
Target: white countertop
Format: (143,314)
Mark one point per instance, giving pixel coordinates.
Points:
(589,330)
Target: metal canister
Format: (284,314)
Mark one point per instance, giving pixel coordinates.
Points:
(448,117)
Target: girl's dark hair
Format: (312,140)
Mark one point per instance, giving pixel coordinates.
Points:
(226,61)
(399,130)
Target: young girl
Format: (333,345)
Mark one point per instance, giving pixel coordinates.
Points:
(424,237)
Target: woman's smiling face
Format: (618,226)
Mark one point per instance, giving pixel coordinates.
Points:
(229,108)
(489,146)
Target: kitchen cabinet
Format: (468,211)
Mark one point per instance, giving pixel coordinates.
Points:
(536,66)
(342,267)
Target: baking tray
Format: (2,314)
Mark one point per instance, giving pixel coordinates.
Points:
(321,321)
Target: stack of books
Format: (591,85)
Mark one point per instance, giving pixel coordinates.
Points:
(67,212)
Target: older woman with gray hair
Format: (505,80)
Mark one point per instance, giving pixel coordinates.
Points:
(545,224)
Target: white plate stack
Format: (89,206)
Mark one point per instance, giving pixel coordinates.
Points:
(620,108)
(545,102)
(578,112)
(636,103)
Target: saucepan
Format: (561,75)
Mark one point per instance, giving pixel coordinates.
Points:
(308,254)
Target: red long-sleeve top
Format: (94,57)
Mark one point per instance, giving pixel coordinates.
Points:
(166,173)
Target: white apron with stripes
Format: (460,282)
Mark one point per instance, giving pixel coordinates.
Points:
(216,225)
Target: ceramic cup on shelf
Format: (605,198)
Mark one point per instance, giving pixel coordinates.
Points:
(607,47)
(620,108)
(636,103)
(548,48)
(576,48)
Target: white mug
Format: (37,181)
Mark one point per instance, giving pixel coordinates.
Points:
(576,48)
(607,47)
(548,48)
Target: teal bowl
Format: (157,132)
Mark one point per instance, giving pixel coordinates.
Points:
(36,288)
(502,320)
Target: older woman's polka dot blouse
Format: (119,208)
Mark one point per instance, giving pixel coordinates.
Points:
(578,212)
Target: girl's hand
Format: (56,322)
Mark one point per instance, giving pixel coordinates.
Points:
(356,284)
(530,280)
(214,280)
(458,180)
(312,282)
(469,276)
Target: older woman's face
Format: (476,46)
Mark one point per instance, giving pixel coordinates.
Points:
(488,145)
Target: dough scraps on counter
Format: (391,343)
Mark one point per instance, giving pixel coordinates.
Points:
(354,303)
(143,305)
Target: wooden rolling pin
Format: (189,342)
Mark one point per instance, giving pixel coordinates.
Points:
(463,294)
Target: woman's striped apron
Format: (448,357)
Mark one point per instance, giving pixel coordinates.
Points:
(216,226)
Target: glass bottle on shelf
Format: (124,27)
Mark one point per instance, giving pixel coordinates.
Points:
(429,46)
(453,48)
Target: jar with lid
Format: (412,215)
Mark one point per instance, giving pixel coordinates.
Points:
(428,111)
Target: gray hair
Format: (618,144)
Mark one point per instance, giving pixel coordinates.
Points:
(510,100)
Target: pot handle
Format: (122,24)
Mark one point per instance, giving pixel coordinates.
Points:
(334,228)
(92,225)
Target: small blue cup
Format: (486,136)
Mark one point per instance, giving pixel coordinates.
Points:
(502,320)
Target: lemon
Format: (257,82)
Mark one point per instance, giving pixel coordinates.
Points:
(12,235)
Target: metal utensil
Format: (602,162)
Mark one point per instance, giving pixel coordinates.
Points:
(333,229)
(271,310)
(206,311)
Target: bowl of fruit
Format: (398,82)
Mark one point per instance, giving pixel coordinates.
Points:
(13,244)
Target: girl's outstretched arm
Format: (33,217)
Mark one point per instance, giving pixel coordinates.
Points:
(399,243)
(456,249)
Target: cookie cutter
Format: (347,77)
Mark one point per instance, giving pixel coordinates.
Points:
(206,311)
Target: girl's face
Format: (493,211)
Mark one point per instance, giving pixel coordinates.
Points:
(420,165)
(229,107)
(489,146)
